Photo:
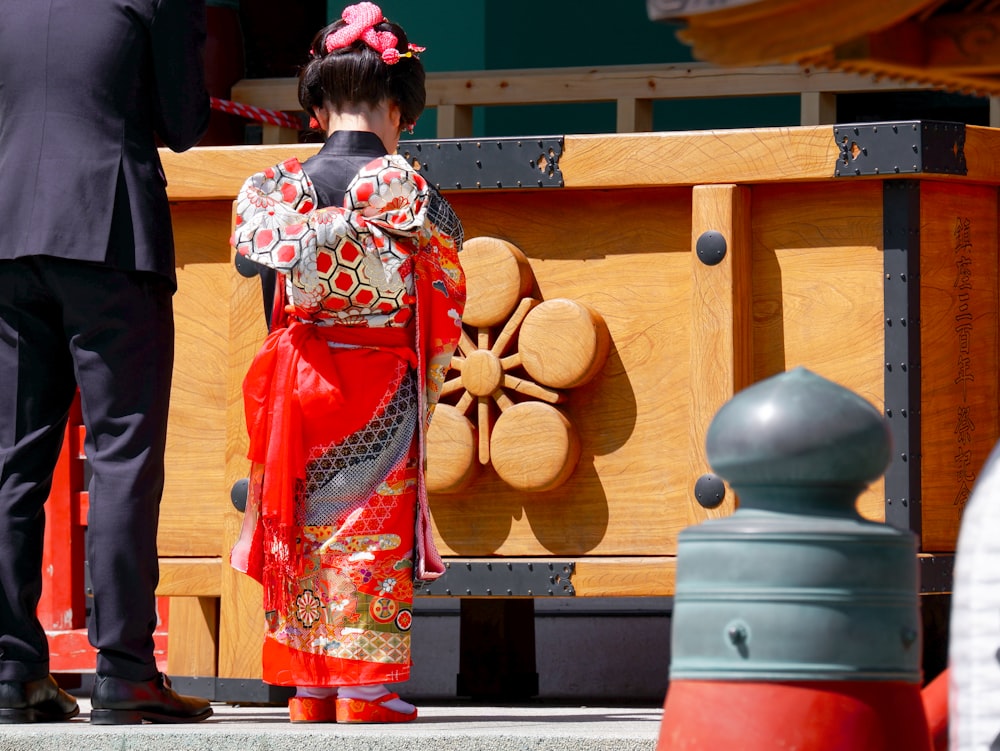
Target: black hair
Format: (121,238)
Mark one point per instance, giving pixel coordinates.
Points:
(358,74)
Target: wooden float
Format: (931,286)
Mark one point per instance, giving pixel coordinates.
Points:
(614,309)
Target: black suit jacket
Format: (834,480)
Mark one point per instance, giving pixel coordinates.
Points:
(85,88)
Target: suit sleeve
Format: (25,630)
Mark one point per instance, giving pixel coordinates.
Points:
(181,96)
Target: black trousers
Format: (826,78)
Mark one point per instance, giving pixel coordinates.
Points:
(65,324)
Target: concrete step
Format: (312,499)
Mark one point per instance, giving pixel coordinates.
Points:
(452,726)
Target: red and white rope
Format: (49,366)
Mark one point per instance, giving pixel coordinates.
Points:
(259,114)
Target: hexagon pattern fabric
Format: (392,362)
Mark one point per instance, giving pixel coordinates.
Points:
(343,264)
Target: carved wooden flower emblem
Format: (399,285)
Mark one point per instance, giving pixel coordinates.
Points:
(518,357)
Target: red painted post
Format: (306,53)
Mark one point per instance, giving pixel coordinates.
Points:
(62,608)
(63,603)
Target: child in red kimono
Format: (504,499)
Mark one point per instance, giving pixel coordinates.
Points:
(367,314)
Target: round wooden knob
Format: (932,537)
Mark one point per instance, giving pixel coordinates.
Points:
(497,276)
(451,450)
(482,373)
(563,343)
(534,447)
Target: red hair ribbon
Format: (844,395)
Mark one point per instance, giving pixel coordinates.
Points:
(361,20)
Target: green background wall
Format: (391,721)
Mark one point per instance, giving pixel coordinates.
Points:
(470,35)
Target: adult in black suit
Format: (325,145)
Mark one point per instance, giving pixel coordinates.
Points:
(86,284)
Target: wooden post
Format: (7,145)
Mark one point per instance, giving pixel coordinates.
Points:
(721,317)
(817,108)
(454,121)
(274,134)
(241,630)
(192,584)
(634,115)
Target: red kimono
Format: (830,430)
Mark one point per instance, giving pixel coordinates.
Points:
(337,404)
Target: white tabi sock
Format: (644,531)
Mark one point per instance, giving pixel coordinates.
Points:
(315,692)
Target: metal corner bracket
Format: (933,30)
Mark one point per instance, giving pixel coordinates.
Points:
(904,147)
(487,163)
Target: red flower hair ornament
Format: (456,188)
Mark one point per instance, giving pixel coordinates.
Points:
(361,20)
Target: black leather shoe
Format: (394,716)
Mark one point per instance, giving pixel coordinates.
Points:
(35,701)
(116,701)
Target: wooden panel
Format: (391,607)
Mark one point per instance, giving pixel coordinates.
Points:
(192,638)
(630,261)
(195,493)
(818,289)
(958,341)
(721,320)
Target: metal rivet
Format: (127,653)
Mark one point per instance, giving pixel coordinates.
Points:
(245,266)
(239,492)
(711,247)
(709,491)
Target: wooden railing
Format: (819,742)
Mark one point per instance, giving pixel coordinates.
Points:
(633,88)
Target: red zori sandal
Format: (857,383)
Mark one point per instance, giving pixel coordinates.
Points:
(308,709)
(361,710)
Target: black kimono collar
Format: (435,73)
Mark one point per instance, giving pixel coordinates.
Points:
(353,143)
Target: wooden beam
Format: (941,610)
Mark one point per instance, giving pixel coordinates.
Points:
(600,84)
(761,155)
(190,577)
(690,158)
(693,158)
(625,577)
(213,173)
(612,83)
